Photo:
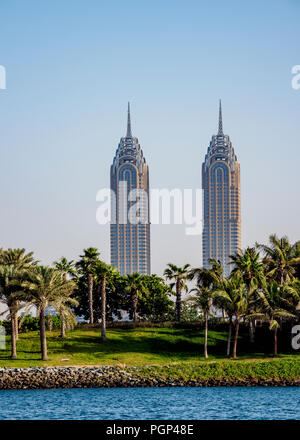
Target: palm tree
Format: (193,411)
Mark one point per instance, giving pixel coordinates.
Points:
(277,303)
(8,276)
(104,273)
(236,298)
(249,266)
(202,299)
(87,266)
(20,261)
(135,286)
(180,275)
(66,267)
(42,287)
(206,280)
(280,258)
(62,305)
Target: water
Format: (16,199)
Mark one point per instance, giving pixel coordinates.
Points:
(152,403)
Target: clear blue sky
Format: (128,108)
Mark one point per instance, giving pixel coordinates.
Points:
(73,65)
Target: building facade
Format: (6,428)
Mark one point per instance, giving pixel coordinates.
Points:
(130,225)
(221,201)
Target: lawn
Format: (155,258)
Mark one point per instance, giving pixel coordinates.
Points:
(139,347)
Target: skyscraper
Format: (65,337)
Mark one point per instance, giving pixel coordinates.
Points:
(130,226)
(221,200)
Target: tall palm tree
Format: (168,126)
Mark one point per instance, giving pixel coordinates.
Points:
(280,258)
(236,298)
(277,303)
(249,266)
(135,286)
(104,273)
(43,287)
(180,275)
(20,261)
(86,266)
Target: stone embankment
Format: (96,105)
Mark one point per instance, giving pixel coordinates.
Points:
(108,376)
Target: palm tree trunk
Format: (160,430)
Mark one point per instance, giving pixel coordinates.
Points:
(134,304)
(275,342)
(229,337)
(178,300)
(13,338)
(90,291)
(43,339)
(103,309)
(237,324)
(205,334)
(63,326)
(251,331)
(16,325)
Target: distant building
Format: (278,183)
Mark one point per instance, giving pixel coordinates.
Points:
(129,243)
(221,204)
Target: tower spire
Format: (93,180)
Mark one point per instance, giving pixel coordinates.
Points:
(220,132)
(128,134)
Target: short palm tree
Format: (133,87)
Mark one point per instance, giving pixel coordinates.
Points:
(276,303)
(236,298)
(86,266)
(180,275)
(20,260)
(202,298)
(42,287)
(62,304)
(135,286)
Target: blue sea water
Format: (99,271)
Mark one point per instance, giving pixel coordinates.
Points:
(236,403)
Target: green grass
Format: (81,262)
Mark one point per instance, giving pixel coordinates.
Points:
(138,347)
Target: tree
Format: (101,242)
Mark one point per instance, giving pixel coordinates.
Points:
(280,258)
(236,298)
(65,267)
(20,261)
(277,303)
(155,304)
(62,304)
(180,275)
(206,280)
(8,277)
(202,299)
(135,286)
(249,266)
(105,274)
(86,266)
(43,287)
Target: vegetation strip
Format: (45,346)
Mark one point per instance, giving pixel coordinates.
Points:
(240,373)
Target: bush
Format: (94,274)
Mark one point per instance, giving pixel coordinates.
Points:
(31,323)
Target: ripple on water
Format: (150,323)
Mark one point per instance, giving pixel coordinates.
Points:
(234,403)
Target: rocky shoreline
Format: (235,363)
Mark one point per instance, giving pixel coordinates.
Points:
(112,377)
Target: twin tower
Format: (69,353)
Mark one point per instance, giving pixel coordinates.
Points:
(221,237)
